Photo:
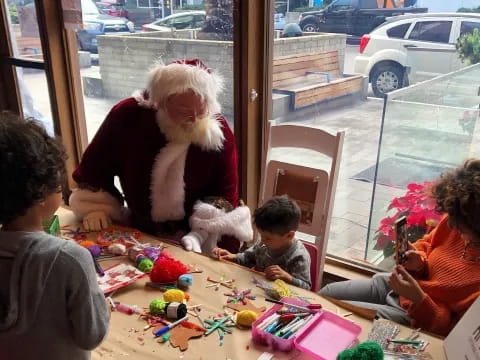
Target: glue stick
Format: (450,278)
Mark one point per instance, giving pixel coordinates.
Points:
(127,309)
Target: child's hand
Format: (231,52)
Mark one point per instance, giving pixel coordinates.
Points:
(275,272)
(414,261)
(224,254)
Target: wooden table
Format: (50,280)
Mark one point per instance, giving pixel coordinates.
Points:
(127,339)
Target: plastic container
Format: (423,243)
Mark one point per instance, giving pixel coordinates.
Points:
(323,337)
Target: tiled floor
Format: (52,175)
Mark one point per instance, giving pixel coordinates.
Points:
(361,122)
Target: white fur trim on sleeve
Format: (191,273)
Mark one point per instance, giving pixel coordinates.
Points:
(167,189)
(83,202)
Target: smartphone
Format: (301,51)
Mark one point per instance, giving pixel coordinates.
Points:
(401,240)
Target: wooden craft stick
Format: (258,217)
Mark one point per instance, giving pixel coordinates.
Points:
(368,314)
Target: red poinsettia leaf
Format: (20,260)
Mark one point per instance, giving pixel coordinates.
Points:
(415,187)
(382,242)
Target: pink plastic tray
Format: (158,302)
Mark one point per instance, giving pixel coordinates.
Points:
(323,337)
(326,335)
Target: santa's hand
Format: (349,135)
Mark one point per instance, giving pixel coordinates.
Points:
(275,272)
(96,221)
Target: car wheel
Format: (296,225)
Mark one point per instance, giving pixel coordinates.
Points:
(386,78)
(310,27)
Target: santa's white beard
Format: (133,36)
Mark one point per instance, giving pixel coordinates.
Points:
(177,133)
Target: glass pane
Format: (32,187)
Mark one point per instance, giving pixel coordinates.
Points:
(24,29)
(115,65)
(34,95)
(427,129)
(304,91)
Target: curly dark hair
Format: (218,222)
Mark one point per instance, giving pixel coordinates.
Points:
(457,193)
(32,165)
(279,215)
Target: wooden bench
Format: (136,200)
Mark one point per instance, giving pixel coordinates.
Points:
(313,78)
(29,47)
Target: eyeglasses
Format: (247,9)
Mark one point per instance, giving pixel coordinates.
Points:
(471,257)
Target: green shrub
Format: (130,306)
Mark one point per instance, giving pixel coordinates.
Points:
(12,9)
(468,47)
(193,7)
(308,8)
(469,10)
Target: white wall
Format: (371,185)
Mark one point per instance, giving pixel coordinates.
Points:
(447,5)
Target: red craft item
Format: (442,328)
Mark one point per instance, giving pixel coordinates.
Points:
(167,270)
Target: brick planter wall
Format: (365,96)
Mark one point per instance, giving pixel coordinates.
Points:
(125,59)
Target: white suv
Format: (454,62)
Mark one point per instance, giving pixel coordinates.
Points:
(411,48)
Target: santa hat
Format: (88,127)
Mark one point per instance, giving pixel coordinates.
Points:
(179,77)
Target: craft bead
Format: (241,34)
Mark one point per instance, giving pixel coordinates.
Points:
(174,295)
(145,265)
(246,317)
(157,307)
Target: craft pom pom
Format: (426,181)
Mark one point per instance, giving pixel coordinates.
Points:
(157,307)
(145,265)
(184,281)
(167,270)
(246,317)
(174,295)
(363,351)
(117,249)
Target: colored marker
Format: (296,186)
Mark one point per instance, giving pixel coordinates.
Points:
(296,327)
(265,323)
(172,325)
(400,341)
(309,308)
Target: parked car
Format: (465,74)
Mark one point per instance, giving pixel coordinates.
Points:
(389,55)
(95,24)
(112,9)
(178,21)
(354,17)
(279,21)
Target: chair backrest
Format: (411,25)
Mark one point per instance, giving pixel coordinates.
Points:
(313,252)
(313,189)
(287,69)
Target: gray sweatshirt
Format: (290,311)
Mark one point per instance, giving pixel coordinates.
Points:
(295,261)
(50,304)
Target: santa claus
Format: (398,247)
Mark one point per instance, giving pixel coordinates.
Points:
(168,145)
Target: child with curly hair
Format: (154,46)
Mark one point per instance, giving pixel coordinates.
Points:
(279,254)
(50,303)
(440,277)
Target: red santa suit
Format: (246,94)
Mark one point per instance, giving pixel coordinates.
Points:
(161,180)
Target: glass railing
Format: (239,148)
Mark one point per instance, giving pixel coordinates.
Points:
(427,129)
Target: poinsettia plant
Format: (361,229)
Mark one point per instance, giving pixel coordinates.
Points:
(418,207)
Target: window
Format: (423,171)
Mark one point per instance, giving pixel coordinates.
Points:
(182,22)
(147,3)
(468,27)
(435,31)
(399,31)
(199,20)
(367,4)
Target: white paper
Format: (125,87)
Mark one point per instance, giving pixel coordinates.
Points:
(463,342)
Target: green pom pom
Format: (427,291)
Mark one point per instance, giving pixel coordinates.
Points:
(145,265)
(157,306)
(363,351)
(345,355)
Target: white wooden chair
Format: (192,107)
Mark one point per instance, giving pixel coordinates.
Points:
(313,189)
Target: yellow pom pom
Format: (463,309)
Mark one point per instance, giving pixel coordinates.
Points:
(173,295)
(246,317)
